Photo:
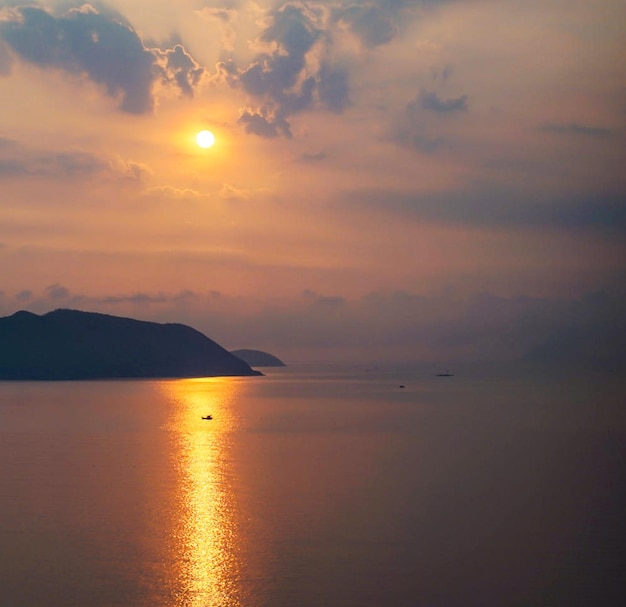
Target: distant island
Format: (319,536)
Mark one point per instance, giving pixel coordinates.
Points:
(70,344)
(258,358)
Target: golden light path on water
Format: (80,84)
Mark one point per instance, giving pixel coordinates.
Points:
(205,538)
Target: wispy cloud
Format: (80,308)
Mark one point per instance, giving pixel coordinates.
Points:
(433,102)
(17,160)
(488,206)
(574,128)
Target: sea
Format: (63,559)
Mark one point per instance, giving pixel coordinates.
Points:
(315,485)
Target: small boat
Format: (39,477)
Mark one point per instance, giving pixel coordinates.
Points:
(445,374)
(207,417)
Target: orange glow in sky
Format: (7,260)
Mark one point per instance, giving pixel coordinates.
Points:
(403,166)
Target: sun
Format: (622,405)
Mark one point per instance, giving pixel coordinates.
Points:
(205,139)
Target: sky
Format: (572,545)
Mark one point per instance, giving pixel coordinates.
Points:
(434,180)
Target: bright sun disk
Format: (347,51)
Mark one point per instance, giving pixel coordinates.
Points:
(205,139)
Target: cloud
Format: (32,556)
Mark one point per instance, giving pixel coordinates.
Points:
(178,67)
(127,171)
(57,291)
(317,157)
(574,128)
(302,63)
(83,40)
(17,160)
(229,192)
(373,25)
(56,294)
(434,103)
(277,76)
(142,298)
(171,193)
(226,73)
(418,141)
(492,207)
(334,88)
(264,123)
(414,129)
(6,143)
(24,295)
(292,32)
(226,19)
(290,74)
(326,301)
(5,60)
(105,47)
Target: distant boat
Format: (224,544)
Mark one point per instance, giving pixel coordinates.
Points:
(207,417)
(445,374)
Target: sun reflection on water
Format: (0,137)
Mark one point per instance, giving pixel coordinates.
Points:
(205,535)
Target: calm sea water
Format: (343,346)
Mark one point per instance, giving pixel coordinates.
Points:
(313,488)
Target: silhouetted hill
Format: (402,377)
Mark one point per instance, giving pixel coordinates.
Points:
(69,344)
(258,358)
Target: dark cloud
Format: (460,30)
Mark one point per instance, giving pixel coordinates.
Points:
(24,295)
(377,22)
(57,291)
(326,301)
(147,298)
(5,60)
(105,48)
(276,76)
(16,161)
(287,82)
(414,129)
(6,143)
(334,88)
(226,72)
(433,102)
(224,15)
(317,157)
(77,163)
(226,5)
(372,24)
(573,128)
(442,74)
(56,294)
(109,51)
(264,124)
(11,168)
(418,141)
(274,73)
(178,67)
(489,206)
(283,78)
